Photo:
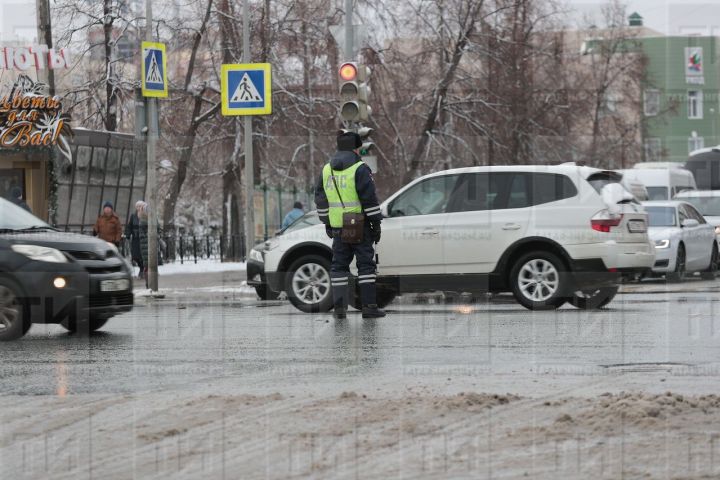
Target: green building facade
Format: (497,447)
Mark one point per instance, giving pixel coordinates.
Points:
(680,98)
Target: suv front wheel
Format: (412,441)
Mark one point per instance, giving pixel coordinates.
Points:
(538,280)
(593,298)
(307,284)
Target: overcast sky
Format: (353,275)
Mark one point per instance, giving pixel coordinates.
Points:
(672,17)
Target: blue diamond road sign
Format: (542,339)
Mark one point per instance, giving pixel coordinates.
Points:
(246,89)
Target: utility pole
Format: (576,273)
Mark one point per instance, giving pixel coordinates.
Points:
(44,29)
(349,33)
(249,174)
(151,189)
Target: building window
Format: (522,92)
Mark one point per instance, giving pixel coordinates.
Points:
(695,104)
(653,148)
(695,143)
(652,102)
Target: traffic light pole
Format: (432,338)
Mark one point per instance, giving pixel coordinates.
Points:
(349,38)
(349,34)
(151,189)
(249,167)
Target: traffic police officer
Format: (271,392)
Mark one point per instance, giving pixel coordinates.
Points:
(346,185)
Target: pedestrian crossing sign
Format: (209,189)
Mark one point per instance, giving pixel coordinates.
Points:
(154,70)
(246,89)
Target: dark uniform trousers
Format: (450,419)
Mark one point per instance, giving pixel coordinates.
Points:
(343,254)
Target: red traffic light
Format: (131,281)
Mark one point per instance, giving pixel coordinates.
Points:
(348,72)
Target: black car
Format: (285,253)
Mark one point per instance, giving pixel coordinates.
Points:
(48,276)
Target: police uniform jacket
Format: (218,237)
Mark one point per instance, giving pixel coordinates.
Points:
(364,185)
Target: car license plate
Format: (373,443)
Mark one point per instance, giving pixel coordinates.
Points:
(114,285)
(637,226)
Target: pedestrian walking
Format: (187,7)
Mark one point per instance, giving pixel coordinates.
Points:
(132,231)
(16,198)
(347,204)
(108,226)
(293,215)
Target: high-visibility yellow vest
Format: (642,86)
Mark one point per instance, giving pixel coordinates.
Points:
(345,180)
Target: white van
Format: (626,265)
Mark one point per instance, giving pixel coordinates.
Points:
(663,181)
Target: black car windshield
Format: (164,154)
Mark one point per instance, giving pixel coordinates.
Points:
(707,206)
(661,216)
(13,217)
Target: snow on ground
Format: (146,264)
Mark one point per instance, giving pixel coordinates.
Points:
(202,266)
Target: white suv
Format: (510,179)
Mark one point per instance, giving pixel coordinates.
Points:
(548,234)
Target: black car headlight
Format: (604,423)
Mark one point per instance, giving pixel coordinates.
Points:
(40,254)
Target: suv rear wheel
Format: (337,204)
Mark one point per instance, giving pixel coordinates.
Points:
(593,298)
(14,321)
(538,280)
(307,284)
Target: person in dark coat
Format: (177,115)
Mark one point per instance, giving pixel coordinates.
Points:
(16,198)
(132,230)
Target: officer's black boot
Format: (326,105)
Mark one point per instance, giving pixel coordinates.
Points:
(340,295)
(372,311)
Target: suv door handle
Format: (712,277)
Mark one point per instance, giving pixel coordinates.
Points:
(429,231)
(511,226)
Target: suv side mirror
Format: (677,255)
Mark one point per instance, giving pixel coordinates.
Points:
(690,223)
(384,211)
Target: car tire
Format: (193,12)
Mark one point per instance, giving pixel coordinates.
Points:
(678,275)
(84,326)
(384,297)
(591,300)
(265,293)
(548,293)
(711,271)
(318,295)
(14,314)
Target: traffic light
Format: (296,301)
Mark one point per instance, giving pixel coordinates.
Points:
(368,145)
(367,149)
(354,91)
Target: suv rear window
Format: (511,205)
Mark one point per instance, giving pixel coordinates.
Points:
(504,190)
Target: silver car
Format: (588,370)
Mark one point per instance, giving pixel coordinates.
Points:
(684,241)
(707,202)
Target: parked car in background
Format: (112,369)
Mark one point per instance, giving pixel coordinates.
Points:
(548,234)
(707,202)
(684,242)
(662,180)
(256,261)
(704,164)
(48,276)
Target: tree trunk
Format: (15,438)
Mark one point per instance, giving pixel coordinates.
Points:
(233,218)
(188,139)
(441,90)
(110,91)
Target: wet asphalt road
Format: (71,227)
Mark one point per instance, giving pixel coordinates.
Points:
(192,343)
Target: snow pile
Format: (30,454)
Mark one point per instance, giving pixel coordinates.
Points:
(203,266)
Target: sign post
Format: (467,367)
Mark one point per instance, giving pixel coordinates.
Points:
(154,85)
(246,90)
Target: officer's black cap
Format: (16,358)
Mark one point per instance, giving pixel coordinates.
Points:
(348,141)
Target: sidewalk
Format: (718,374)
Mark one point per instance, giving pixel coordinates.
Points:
(204,278)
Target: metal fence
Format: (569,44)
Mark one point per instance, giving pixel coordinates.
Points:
(192,248)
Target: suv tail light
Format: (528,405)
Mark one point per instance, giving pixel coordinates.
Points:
(603,220)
